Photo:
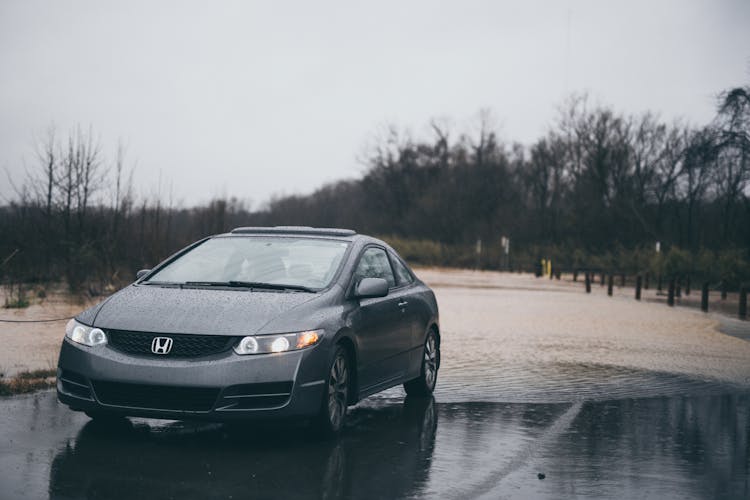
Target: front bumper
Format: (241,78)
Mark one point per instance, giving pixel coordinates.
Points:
(221,387)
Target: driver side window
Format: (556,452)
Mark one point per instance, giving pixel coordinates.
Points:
(374,264)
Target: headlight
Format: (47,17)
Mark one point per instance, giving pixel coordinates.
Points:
(264,344)
(85,335)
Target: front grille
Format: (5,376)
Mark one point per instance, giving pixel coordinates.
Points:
(157,397)
(183,345)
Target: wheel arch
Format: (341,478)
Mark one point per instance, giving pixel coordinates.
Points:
(345,340)
(433,328)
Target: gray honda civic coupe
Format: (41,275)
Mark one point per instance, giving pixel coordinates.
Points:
(260,322)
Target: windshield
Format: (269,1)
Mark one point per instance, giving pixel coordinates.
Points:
(297,262)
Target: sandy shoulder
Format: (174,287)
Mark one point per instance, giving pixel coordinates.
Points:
(33,346)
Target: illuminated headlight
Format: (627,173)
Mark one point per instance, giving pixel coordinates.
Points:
(281,344)
(265,344)
(85,335)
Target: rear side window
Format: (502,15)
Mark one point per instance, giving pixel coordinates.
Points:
(374,264)
(402,274)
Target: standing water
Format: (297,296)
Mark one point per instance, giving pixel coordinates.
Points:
(543,392)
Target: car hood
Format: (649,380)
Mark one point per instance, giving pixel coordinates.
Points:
(193,310)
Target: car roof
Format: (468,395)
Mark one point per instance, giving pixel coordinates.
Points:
(297,231)
(312,232)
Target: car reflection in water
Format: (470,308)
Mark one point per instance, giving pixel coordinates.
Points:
(385,453)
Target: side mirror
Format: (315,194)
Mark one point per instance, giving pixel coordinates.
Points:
(143,272)
(371,287)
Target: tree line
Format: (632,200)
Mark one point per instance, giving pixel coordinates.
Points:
(599,189)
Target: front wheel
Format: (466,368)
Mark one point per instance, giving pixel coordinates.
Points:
(425,383)
(332,412)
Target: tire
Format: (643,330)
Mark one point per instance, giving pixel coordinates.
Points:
(332,414)
(425,383)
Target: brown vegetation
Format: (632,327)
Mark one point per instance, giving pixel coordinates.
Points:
(29,381)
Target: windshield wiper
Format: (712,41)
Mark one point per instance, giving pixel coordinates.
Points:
(251,284)
(161,283)
(270,286)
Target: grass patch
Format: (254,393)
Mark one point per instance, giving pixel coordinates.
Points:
(16,296)
(19,303)
(37,374)
(28,381)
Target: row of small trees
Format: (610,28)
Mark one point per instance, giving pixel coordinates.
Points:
(599,187)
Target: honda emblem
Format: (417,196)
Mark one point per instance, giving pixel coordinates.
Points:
(161,345)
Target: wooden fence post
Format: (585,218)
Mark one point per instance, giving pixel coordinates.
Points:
(704,297)
(609,285)
(670,295)
(638,280)
(588,282)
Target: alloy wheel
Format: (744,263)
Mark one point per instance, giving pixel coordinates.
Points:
(430,361)
(337,390)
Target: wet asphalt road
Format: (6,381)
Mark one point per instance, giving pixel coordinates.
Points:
(605,398)
(676,447)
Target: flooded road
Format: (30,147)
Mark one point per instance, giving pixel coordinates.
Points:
(678,447)
(604,397)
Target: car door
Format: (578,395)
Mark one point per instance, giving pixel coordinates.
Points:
(379,325)
(412,314)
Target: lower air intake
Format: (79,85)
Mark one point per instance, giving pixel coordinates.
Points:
(155,397)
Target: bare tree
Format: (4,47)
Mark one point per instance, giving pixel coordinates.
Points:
(89,172)
(667,171)
(647,143)
(546,179)
(47,156)
(699,160)
(732,173)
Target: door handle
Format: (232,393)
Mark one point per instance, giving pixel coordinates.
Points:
(402,303)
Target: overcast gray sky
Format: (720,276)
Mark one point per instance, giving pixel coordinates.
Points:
(251,99)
